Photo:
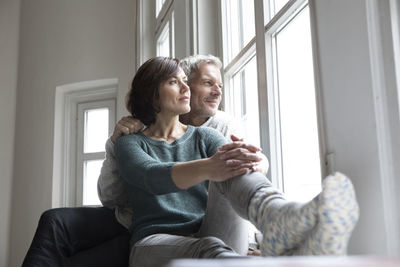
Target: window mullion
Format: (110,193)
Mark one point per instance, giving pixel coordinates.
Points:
(263,101)
(93,156)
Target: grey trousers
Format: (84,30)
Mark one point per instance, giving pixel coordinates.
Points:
(222,234)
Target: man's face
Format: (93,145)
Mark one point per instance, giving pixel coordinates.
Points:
(205,89)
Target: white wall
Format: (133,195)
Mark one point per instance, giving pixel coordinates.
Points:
(61,42)
(351,119)
(9,33)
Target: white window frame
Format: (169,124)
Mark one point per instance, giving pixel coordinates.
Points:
(81,156)
(280,19)
(65,144)
(164,21)
(261,46)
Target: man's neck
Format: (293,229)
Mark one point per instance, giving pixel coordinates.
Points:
(191,119)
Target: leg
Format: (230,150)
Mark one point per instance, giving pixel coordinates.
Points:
(114,252)
(296,228)
(222,221)
(64,232)
(157,250)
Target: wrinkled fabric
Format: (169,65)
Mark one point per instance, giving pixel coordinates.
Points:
(84,236)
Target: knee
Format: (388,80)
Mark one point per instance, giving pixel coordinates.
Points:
(50,217)
(212,247)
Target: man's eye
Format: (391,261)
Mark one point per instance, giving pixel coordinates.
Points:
(173,82)
(185,81)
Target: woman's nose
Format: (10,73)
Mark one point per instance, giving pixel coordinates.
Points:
(184,86)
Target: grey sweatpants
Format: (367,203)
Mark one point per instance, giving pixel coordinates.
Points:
(222,234)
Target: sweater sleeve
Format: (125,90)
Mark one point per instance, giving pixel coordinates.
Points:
(139,169)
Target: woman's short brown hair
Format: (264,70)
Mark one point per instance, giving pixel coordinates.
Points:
(142,99)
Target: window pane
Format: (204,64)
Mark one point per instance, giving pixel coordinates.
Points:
(96,130)
(244,101)
(91,172)
(163,42)
(271,7)
(240,25)
(279,4)
(297,109)
(159,4)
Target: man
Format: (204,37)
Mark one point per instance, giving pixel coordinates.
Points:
(205,82)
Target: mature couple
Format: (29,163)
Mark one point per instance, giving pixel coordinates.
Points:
(183,190)
(174,184)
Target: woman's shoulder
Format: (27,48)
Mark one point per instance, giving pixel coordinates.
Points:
(129,139)
(210,136)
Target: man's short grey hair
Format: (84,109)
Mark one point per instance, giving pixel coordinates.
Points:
(191,64)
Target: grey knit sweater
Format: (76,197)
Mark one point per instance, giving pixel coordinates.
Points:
(145,164)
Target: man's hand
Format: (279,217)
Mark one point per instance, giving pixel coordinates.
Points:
(261,166)
(244,152)
(125,126)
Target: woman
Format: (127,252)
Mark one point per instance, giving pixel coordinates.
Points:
(169,164)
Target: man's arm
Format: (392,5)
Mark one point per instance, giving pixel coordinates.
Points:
(110,187)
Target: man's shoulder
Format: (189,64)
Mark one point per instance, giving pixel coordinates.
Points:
(220,118)
(223,122)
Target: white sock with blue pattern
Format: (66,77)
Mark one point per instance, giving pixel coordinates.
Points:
(319,227)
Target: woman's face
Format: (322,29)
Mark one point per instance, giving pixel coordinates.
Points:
(175,95)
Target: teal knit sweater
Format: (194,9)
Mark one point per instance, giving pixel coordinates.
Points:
(158,205)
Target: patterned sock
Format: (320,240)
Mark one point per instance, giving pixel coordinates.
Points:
(284,224)
(306,229)
(338,214)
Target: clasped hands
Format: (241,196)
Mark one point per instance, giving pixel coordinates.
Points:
(237,158)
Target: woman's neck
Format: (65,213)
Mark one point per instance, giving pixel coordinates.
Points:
(166,129)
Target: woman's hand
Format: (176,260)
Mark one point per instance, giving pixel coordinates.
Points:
(219,168)
(230,160)
(125,126)
(239,150)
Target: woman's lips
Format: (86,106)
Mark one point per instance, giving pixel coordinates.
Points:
(184,98)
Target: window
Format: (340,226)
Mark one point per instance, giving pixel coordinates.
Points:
(163,42)
(94,127)
(240,70)
(269,68)
(159,5)
(165,29)
(242,105)
(239,24)
(84,119)
(296,108)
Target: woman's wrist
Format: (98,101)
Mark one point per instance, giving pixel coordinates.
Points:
(188,174)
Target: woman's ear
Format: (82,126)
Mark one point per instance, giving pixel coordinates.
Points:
(156,102)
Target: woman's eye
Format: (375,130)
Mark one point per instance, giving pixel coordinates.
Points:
(172,82)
